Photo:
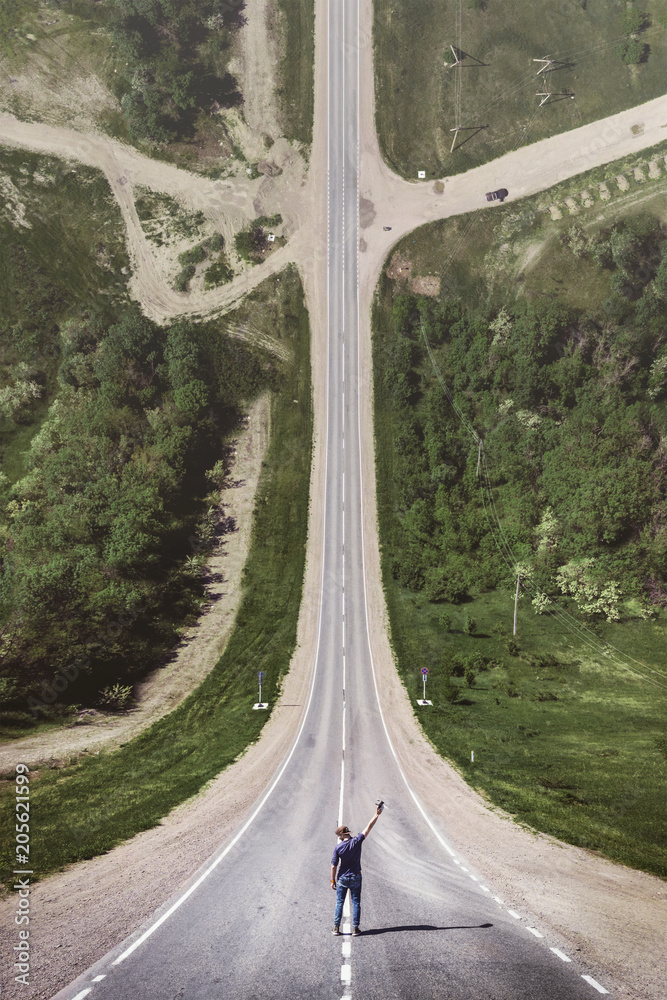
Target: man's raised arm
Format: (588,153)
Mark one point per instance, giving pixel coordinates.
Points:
(372,823)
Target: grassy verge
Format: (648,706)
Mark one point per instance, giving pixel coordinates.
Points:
(296,21)
(567,729)
(417,95)
(84,810)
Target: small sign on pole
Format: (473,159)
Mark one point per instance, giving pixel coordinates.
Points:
(421,174)
(260,703)
(423,701)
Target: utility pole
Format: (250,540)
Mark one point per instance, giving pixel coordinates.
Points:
(464,128)
(479,457)
(547,65)
(457,59)
(516,600)
(546,95)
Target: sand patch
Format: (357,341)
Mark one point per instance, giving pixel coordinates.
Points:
(427,285)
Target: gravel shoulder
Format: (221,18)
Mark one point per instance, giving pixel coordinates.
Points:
(608,915)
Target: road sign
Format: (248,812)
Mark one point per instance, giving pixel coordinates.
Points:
(423,700)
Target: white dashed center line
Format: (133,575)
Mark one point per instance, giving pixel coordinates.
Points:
(594,984)
(563,957)
(98,979)
(512,913)
(84,993)
(531,930)
(346,974)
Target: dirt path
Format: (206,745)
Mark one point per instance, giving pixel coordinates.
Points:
(608,915)
(258,57)
(227,205)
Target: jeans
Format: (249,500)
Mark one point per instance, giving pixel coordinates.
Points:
(353,883)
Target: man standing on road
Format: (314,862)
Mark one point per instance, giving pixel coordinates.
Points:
(347,854)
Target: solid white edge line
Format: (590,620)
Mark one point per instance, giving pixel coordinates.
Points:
(595,984)
(165,916)
(563,957)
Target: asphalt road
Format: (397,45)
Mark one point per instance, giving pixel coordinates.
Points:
(259,923)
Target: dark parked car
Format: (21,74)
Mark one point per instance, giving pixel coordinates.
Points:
(498,195)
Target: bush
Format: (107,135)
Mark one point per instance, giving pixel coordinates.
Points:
(457,667)
(116,697)
(445,621)
(633,21)
(193,256)
(470,625)
(632,51)
(215,243)
(219,273)
(250,244)
(182,280)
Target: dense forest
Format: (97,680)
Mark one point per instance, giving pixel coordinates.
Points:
(174,56)
(112,448)
(102,534)
(571,410)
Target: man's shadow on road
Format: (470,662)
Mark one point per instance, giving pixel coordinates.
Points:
(423,927)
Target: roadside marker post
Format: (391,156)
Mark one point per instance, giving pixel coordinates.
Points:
(423,701)
(260,703)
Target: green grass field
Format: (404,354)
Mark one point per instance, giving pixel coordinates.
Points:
(84,810)
(417,96)
(568,728)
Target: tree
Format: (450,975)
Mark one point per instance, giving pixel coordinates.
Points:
(633,21)
(470,625)
(632,51)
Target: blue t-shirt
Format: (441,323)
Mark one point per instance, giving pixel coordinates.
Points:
(348,852)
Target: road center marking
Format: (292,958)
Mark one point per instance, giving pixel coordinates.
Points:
(563,957)
(594,984)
